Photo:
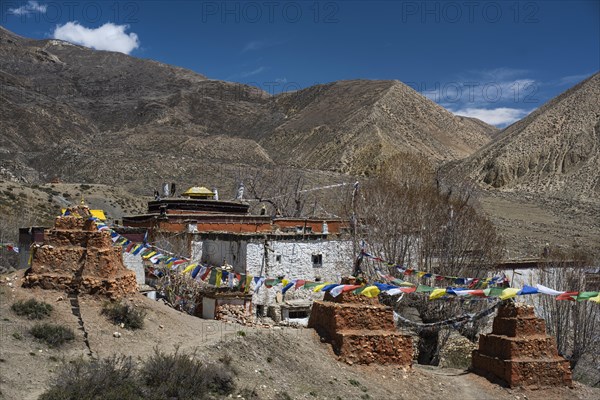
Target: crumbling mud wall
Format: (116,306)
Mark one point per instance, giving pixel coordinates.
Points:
(77,257)
(360,330)
(519,352)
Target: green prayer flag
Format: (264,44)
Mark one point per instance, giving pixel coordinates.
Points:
(311,285)
(424,289)
(212,279)
(586,295)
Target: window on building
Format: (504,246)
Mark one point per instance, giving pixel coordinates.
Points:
(298,314)
(260,310)
(317,260)
(278,258)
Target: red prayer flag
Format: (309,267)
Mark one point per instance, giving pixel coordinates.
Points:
(567,296)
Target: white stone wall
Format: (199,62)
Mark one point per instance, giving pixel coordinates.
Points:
(196,250)
(291,258)
(135,263)
(295,262)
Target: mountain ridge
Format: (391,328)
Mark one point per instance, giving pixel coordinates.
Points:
(67,105)
(554,149)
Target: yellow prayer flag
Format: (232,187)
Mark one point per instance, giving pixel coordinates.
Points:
(420,274)
(189,268)
(509,293)
(370,291)
(437,293)
(248,282)
(147,256)
(319,287)
(595,299)
(219,278)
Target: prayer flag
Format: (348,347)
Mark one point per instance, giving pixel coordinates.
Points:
(509,293)
(437,293)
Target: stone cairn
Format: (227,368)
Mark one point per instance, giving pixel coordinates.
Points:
(360,330)
(78,258)
(519,352)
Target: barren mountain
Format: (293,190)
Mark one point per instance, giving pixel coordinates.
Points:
(539,177)
(555,150)
(102,117)
(352,126)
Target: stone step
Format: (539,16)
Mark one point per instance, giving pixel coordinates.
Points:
(516,311)
(330,317)
(552,371)
(522,326)
(505,347)
(366,347)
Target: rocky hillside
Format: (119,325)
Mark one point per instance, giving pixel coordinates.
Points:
(555,150)
(352,126)
(102,117)
(538,178)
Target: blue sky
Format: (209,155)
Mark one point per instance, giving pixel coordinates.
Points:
(495,60)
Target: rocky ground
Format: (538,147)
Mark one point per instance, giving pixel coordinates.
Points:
(275,363)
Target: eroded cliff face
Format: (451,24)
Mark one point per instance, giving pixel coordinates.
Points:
(555,150)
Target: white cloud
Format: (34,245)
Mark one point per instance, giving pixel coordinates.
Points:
(254,45)
(253,72)
(29,8)
(106,37)
(499,117)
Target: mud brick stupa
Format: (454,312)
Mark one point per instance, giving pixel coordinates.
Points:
(360,330)
(519,352)
(76,257)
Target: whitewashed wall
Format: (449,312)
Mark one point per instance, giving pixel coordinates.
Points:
(291,258)
(295,262)
(196,250)
(135,263)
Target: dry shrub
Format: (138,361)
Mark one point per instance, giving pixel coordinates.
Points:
(32,309)
(113,378)
(183,376)
(124,313)
(181,291)
(53,335)
(162,376)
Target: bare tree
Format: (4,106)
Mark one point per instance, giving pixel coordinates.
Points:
(294,193)
(575,325)
(407,218)
(280,188)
